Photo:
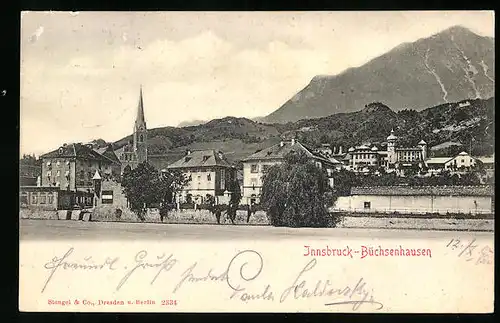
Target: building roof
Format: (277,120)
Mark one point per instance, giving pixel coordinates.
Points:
(408,149)
(334,161)
(422,142)
(280,150)
(463,153)
(108,153)
(374,148)
(392,136)
(438,160)
(162,161)
(424,190)
(201,158)
(445,145)
(486,159)
(76,150)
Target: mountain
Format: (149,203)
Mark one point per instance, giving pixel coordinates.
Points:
(191,123)
(453,65)
(447,128)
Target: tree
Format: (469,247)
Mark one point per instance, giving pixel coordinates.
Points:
(234,202)
(295,192)
(168,185)
(144,186)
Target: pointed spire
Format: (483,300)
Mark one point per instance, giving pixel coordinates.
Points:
(140,110)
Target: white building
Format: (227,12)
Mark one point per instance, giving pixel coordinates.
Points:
(257,164)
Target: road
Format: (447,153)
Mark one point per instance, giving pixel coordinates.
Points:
(79,230)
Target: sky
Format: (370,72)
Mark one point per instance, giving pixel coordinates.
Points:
(81,71)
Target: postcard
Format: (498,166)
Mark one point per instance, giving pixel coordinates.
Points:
(257,162)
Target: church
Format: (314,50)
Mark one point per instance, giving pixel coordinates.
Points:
(136,150)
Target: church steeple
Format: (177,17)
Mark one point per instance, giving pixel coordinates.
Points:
(140,132)
(140,121)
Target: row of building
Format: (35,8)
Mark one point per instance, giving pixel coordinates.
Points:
(368,158)
(76,167)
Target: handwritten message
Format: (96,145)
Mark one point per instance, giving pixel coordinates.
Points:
(241,275)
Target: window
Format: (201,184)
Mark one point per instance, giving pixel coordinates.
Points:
(66,173)
(222,179)
(367,205)
(58,173)
(24,198)
(254,168)
(265,168)
(58,163)
(209,177)
(253,182)
(141,138)
(50,198)
(34,198)
(49,174)
(43,198)
(199,178)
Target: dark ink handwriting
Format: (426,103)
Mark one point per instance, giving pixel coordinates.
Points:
(60,262)
(164,264)
(188,276)
(240,271)
(355,296)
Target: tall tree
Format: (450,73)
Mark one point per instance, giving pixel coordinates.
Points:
(296,193)
(144,186)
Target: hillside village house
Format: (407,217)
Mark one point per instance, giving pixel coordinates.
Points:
(461,162)
(257,164)
(209,173)
(362,159)
(488,162)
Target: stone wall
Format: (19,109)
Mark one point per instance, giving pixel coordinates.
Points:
(415,204)
(183,216)
(37,214)
(424,190)
(417,223)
